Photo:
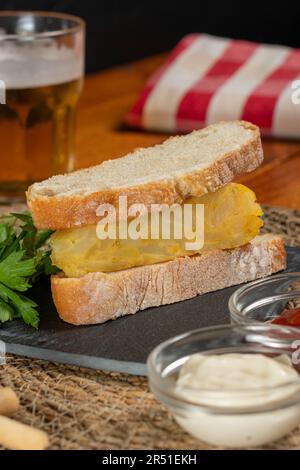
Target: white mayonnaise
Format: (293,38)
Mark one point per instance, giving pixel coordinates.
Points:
(245,399)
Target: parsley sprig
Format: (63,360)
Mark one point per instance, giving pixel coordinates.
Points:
(24,257)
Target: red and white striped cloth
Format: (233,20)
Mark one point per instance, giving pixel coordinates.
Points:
(207,79)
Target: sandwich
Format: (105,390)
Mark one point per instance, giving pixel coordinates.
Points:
(102,279)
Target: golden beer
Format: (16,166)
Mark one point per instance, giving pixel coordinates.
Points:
(43,75)
(37,132)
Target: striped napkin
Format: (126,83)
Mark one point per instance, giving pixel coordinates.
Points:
(207,79)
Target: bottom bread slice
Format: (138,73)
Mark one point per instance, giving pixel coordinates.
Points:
(98,297)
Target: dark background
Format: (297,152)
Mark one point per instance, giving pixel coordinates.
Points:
(119,31)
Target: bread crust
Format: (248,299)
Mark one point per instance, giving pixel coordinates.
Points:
(62,212)
(98,297)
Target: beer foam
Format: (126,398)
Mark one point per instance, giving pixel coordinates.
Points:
(42,63)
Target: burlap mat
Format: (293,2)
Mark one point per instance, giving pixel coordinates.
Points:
(85,409)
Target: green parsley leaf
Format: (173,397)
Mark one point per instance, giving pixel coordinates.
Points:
(15,271)
(22,306)
(6,311)
(24,257)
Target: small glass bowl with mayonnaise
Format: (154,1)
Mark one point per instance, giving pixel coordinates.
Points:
(275,299)
(230,386)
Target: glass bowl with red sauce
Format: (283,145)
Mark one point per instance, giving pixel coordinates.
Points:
(275,299)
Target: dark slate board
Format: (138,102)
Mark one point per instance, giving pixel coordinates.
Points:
(121,345)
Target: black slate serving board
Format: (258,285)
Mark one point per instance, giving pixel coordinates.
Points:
(121,345)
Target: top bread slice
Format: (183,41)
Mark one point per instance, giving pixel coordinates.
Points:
(184,166)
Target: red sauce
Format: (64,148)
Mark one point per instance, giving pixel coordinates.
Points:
(288,317)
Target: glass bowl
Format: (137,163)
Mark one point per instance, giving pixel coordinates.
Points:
(263,300)
(210,418)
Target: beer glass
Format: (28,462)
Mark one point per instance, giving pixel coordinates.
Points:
(41,77)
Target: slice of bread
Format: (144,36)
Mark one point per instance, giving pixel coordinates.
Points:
(193,164)
(98,297)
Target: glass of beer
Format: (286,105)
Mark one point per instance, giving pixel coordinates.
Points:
(41,77)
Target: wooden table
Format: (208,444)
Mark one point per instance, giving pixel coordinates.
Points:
(108,95)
